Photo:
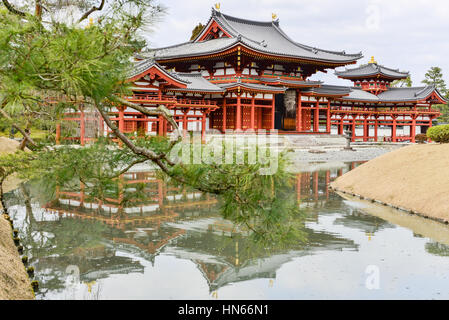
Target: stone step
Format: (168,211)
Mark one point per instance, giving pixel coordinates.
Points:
(315,140)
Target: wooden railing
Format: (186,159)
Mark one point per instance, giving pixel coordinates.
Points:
(148,97)
(197,102)
(171,99)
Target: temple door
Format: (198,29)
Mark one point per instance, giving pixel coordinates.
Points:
(306,119)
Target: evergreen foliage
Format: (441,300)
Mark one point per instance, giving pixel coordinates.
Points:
(49,67)
(196,31)
(439,133)
(435,77)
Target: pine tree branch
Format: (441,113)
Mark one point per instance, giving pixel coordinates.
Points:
(152,156)
(23,132)
(13,10)
(161,111)
(92,10)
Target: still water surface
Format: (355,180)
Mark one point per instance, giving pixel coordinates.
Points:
(174,245)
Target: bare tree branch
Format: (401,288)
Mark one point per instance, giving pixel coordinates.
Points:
(11,8)
(92,10)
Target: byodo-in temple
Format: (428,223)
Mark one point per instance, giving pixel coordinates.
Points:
(244,75)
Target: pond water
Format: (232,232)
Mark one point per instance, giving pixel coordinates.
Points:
(174,245)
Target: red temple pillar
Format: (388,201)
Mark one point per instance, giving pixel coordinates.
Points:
(413,129)
(253,112)
(328,117)
(224,115)
(238,114)
(365,128)
(353,127)
(185,123)
(203,128)
(393,130)
(58,134)
(82,127)
(315,185)
(316,117)
(273,107)
(121,119)
(340,125)
(299,111)
(376,126)
(161,126)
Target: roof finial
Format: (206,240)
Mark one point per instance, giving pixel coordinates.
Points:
(372,60)
(274,16)
(217,6)
(91,22)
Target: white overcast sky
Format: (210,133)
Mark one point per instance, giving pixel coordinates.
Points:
(411,35)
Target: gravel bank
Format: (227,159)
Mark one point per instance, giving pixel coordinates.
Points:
(338,154)
(414,178)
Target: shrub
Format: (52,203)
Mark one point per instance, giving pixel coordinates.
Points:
(421,138)
(439,133)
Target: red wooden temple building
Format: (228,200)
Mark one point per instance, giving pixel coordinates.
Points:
(245,75)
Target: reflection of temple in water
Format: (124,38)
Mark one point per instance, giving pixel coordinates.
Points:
(313,187)
(186,224)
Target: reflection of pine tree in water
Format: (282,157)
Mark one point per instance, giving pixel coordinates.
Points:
(437,249)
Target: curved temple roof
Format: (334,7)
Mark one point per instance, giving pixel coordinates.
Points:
(192,82)
(372,70)
(393,95)
(264,37)
(252,86)
(412,94)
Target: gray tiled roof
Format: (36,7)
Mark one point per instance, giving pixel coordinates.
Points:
(266,37)
(188,49)
(370,70)
(361,95)
(293,82)
(269,37)
(196,82)
(393,94)
(252,86)
(408,94)
(139,67)
(330,90)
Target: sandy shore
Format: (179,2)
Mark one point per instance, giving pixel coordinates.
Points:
(14,281)
(414,178)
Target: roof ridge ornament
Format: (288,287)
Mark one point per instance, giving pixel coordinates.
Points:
(217,6)
(372,61)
